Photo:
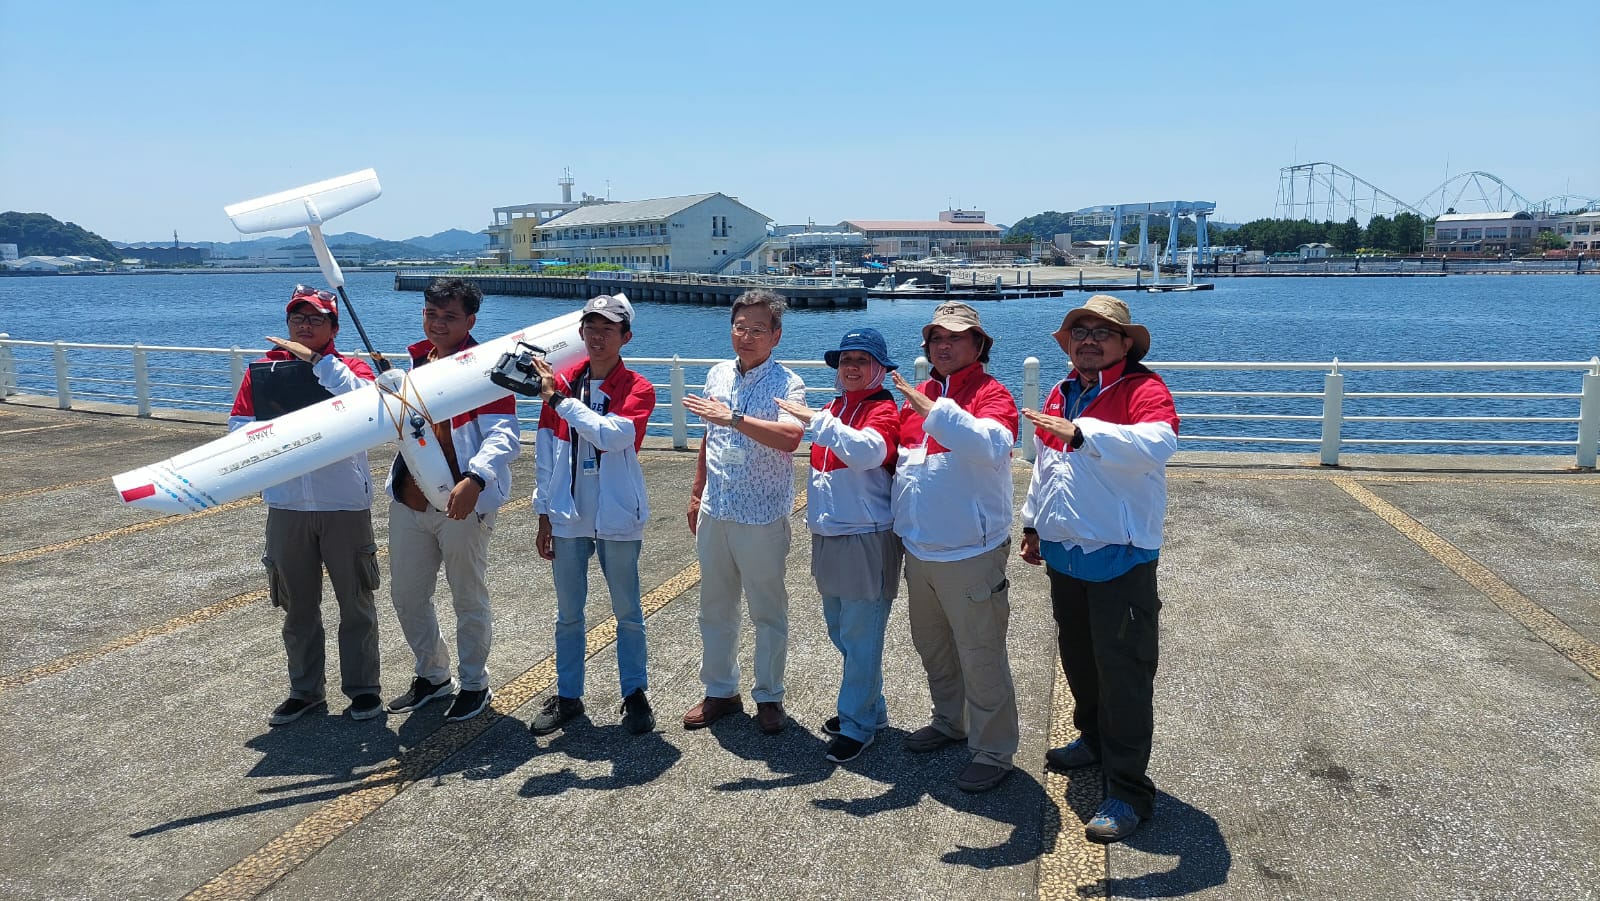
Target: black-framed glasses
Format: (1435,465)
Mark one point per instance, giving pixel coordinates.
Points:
(315,319)
(308,291)
(1098,333)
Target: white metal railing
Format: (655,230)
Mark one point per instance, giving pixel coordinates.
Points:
(146,377)
(685,278)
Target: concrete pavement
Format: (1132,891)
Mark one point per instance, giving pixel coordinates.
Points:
(1377,680)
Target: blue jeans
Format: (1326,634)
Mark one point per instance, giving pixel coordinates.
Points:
(857,628)
(619,563)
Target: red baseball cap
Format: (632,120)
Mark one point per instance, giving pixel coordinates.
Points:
(321,301)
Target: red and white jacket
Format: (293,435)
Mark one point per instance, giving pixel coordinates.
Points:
(620,505)
(1112,489)
(345,485)
(853,442)
(952,484)
(486,440)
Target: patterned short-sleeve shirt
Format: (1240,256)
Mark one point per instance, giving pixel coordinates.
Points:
(746,481)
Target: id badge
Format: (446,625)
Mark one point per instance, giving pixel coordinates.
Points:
(916,456)
(732,455)
(591,467)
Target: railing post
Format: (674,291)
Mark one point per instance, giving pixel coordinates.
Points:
(1030,400)
(1332,414)
(8,369)
(63,387)
(680,421)
(1589,416)
(920,369)
(236,366)
(141,380)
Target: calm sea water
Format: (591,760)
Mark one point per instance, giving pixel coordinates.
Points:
(1462,318)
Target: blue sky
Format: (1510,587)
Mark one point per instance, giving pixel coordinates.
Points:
(136,119)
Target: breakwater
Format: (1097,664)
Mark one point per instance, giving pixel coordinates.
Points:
(660,287)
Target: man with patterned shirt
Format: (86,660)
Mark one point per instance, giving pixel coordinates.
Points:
(739,513)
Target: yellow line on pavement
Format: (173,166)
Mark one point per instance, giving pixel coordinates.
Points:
(1074,867)
(278,858)
(194,617)
(15,495)
(41,428)
(255,874)
(73,543)
(62,664)
(1541,622)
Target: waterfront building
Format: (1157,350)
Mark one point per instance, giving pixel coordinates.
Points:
(1582,230)
(693,233)
(511,234)
(1315,251)
(953,234)
(8,252)
(1508,232)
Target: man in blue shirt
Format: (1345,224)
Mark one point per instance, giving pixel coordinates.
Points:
(1094,516)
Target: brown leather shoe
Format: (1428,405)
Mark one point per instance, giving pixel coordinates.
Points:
(770,716)
(709,710)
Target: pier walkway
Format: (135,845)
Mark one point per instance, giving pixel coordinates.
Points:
(1377,680)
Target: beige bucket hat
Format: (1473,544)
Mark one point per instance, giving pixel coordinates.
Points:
(1110,309)
(955,316)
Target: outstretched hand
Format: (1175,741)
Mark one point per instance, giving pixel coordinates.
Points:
(1051,425)
(799,411)
(300,351)
(918,401)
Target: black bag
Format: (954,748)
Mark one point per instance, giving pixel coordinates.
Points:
(284,386)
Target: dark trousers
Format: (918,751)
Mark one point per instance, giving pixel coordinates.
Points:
(300,544)
(1109,639)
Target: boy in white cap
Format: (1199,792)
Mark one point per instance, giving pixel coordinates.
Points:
(590,498)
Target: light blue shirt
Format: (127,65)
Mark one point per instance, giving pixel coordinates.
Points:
(1108,561)
(746,481)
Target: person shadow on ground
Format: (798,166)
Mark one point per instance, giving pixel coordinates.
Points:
(1017,802)
(335,753)
(1178,830)
(796,754)
(635,759)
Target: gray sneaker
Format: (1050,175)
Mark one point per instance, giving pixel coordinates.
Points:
(556,710)
(365,707)
(1113,822)
(421,692)
(469,704)
(1073,756)
(293,709)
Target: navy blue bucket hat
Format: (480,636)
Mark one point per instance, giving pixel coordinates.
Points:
(866,339)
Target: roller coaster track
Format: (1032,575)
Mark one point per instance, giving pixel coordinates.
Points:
(1323,191)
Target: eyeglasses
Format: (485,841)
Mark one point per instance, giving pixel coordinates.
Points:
(303,319)
(1098,333)
(308,291)
(745,331)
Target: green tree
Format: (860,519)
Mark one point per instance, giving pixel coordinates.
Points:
(1408,233)
(1549,240)
(1379,234)
(1346,237)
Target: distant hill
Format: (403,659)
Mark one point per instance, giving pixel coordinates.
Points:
(373,251)
(452,241)
(39,234)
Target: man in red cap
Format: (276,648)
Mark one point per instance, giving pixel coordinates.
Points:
(322,519)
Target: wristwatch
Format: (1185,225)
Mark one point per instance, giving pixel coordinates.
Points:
(734,419)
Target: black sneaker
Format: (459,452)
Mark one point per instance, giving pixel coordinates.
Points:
(844,748)
(556,710)
(468,705)
(831,727)
(365,707)
(421,692)
(637,717)
(293,709)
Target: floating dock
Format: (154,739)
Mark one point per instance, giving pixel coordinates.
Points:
(658,287)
